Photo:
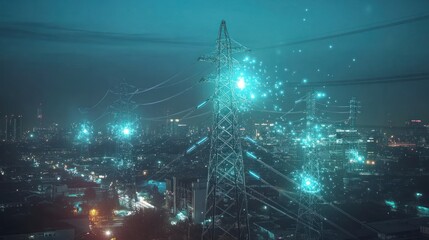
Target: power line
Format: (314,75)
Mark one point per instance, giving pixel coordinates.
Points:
(365,81)
(350,32)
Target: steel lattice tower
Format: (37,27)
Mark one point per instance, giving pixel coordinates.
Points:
(309,226)
(226,201)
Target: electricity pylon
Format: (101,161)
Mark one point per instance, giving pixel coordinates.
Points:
(309,226)
(226,201)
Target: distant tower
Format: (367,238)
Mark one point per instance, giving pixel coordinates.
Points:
(226,201)
(309,226)
(39,115)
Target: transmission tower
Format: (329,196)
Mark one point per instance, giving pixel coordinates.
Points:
(226,201)
(124,129)
(309,226)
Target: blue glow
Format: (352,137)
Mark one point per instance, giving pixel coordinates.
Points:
(84,132)
(123,131)
(202,104)
(241,84)
(308,184)
(253,174)
(203,140)
(192,148)
(251,155)
(355,157)
(422,211)
(391,204)
(126,131)
(320,95)
(250,140)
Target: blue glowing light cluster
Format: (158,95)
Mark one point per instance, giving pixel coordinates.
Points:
(258,86)
(308,183)
(84,133)
(354,156)
(123,131)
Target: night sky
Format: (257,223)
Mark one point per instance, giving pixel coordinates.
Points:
(67,54)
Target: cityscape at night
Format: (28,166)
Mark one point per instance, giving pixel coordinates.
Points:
(186,120)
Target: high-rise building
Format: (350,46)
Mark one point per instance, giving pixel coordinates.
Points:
(13,128)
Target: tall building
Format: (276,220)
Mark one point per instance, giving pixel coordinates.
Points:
(13,128)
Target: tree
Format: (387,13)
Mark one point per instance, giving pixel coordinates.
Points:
(89,194)
(185,230)
(145,224)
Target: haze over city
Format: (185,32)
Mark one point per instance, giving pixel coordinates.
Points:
(174,120)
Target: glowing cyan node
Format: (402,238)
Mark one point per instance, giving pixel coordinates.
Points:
(123,131)
(390,203)
(309,184)
(241,84)
(320,95)
(126,131)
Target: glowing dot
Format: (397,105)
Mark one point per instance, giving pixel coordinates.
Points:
(126,131)
(252,96)
(307,183)
(330,46)
(240,83)
(304,19)
(85,131)
(305,80)
(354,59)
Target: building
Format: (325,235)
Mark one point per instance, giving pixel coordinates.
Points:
(188,197)
(12,128)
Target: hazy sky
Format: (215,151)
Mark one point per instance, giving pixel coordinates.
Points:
(67,54)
